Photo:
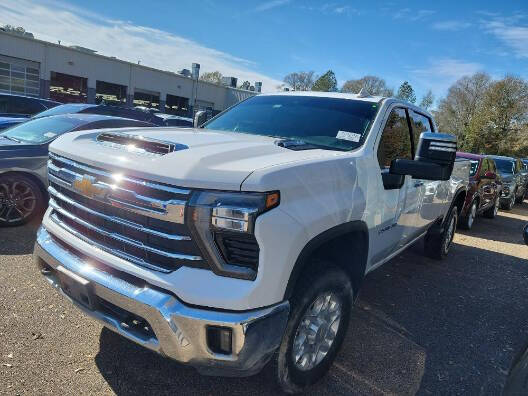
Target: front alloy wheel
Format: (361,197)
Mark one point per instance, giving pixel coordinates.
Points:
(317,331)
(20,200)
(319,315)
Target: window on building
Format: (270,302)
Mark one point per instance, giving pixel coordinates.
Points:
(19,79)
(177,105)
(144,98)
(67,88)
(109,93)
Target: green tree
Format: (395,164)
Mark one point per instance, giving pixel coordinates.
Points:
(300,81)
(326,83)
(427,100)
(373,85)
(212,77)
(406,92)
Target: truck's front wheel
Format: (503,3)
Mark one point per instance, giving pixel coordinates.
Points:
(319,317)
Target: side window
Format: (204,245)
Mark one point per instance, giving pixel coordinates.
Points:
(3,104)
(419,124)
(395,140)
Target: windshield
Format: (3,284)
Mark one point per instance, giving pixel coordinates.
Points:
(41,130)
(505,165)
(474,167)
(62,109)
(331,123)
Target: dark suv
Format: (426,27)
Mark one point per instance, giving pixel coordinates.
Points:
(513,181)
(483,194)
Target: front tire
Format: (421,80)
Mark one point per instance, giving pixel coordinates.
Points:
(491,213)
(21,199)
(319,318)
(466,222)
(510,203)
(437,246)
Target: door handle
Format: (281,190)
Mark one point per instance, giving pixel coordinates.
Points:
(418,184)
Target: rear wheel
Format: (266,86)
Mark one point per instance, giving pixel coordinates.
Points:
(20,200)
(466,222)
(437,245)
(492,212)
(319,317)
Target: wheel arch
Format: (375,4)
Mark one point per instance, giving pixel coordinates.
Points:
(459,198)
(345,245)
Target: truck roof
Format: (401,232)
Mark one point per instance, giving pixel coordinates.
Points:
(340,95)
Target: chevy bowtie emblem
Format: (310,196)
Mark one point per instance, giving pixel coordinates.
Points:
(87,186)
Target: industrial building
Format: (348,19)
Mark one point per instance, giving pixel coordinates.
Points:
(29,66)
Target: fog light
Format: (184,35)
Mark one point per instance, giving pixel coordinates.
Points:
(219,339)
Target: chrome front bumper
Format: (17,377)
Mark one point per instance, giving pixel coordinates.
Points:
(159,321)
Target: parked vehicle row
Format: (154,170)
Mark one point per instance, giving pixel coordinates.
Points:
(276,208)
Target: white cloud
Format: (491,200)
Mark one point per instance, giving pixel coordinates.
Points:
(510,32)
(271,4)
(125,40)
(452,25)
(411,14)
(441,73)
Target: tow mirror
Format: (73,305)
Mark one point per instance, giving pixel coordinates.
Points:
(199,118)
(525,234)
(435,158)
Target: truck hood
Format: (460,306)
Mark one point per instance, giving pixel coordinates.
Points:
(208,159)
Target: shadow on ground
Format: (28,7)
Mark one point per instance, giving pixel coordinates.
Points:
(420,326)
(19,240)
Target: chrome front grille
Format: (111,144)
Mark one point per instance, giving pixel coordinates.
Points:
(137,220)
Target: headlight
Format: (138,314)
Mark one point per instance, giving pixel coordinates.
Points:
(223,225)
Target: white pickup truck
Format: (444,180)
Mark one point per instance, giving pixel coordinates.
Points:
(248,238)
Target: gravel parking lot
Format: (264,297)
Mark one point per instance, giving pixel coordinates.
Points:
(420,326)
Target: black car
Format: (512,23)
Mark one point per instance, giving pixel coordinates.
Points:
(513,181)
(23,106)
(24,157)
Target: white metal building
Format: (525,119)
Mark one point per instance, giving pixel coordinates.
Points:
(75,74)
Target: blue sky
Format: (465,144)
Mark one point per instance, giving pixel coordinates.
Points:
(430,44)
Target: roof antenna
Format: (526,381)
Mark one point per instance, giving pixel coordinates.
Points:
(363,93)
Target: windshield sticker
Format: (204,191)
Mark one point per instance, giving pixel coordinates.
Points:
(50,134)
(350,136)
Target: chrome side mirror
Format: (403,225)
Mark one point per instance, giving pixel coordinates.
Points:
(199,118)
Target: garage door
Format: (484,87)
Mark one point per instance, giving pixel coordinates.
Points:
(18,76)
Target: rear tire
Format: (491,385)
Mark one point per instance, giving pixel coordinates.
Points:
(466,222)
(491,213)
(319,316)
(437,246)
(21,199)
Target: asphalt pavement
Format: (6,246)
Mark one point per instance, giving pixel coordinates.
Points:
(420,327)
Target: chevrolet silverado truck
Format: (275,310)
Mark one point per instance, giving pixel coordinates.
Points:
(248,238)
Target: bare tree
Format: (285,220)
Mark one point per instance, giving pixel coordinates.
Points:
(300,81)
(212,77)
(373,85)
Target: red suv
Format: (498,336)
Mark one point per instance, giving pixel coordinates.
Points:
(483,194)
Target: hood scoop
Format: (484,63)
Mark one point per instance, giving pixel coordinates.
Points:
(138,144)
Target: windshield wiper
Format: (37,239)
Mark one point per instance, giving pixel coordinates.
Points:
(297,144)
(11,138)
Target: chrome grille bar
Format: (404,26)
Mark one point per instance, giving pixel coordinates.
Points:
(100,172)
(121,238)
(169,210)
(138,227)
